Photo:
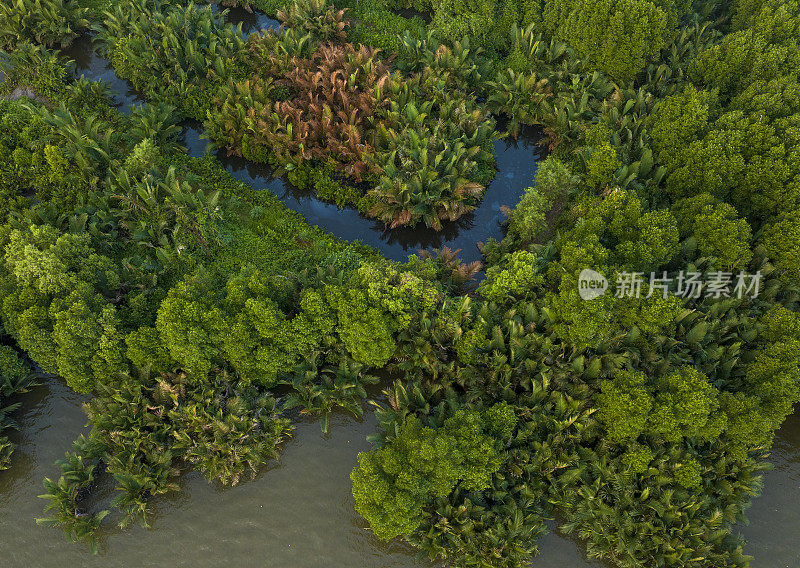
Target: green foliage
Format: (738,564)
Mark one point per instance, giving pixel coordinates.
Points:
(244,327)
(318,390)
(624,406)
(55,303)
(720,234)
(601,157)
(521,96)
(501,420)
(651,519)
(196,50)
(426,178)
(377,25)
(429,167)
(637,458)
(731,133)
(46,22)
(681,404)
(554,180)
(392,483)
(79,470)
(735,156)
(190,326)
(770,385)
(363,327)
(688,474)
(782,239)
(258,338)
(678,119)
(454,19)
(760,50)
(685,405)
(520,278)
(619,36)
(145,429)
(35,70)
(227,438)
(638,239)
(316,17)
(435,64)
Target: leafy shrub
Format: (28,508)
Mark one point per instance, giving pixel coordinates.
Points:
(620,36)
(46,22)
(527,220)
(728,133)
(520,277)
(196,50)
(362,326)
(392,484)
(781,240)
(316,17)
(720,234)
(56,304)
(681,404)
(335,94)
(600,156)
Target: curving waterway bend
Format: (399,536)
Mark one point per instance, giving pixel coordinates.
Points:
(516,165)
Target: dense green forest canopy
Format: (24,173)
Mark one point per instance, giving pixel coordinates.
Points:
(203,316)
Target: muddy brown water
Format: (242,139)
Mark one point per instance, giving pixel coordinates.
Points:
(297,513)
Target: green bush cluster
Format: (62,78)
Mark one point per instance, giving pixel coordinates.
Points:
(729,131)
(46,22)
(619,36)
(195,50)
(391,484)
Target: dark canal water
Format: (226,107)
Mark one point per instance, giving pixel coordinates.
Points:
(516,165)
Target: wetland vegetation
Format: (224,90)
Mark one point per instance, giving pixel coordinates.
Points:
(204,320)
